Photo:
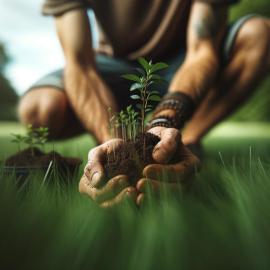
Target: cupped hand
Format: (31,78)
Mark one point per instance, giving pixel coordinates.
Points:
(113,192)
(93,182)
(162,175)
(165,149)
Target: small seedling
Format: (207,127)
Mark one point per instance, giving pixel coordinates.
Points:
(36,136)
(33,137)
(140,89)
(19,139)
(132,122)
(112,127)
(124,124)
(137,151)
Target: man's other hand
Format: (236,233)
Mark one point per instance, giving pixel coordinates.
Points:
(163,175)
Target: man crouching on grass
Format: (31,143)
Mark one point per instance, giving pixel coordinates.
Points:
(214,68)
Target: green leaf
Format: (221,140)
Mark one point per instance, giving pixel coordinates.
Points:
(129,108)
(148,110)
(139,106)
(154,98)
(135,86)
(150,83)
(135,97)
(131,77)
(141,71)
(17,136)
(158,66)
(155,77)
(154,92)
(144,64)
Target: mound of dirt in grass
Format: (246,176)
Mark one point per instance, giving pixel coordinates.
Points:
(34,157)
(131,157)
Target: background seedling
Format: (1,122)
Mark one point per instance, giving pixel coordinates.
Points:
(19,139)
(34,137)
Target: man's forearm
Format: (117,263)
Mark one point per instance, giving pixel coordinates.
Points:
(189,85)
(192,81)
(196,75)
(90,98)
(206,31)
(87,93)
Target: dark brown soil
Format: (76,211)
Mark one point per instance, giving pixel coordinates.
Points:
(35,158)
(132,157)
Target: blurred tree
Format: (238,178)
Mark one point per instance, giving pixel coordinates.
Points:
(8,97)
(4,59)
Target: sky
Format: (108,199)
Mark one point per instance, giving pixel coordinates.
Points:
(30,40)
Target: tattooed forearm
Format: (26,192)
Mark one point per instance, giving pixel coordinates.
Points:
(207,25)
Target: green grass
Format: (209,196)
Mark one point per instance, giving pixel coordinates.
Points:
(222,222)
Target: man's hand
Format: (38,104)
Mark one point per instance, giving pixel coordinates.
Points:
(164,175)
(92,183)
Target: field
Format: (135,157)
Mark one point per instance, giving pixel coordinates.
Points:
(221,223)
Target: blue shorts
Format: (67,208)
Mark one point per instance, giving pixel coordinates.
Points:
(111,68)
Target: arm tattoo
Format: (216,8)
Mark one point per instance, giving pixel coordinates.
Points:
(206,28)
(208,25)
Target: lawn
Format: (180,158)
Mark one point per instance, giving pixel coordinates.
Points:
(222,222)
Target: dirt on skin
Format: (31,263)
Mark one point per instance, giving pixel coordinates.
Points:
(131,157)
(34,157)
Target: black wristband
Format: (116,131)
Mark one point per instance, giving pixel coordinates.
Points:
(162,121)
(181,103)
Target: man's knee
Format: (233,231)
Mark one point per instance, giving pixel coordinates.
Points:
(254,40)
(43,107)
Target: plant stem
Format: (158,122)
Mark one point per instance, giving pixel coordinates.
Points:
(123,132)
(114,132)
(134,131)
(144,104)
(142,113)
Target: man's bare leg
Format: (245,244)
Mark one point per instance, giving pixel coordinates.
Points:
(49,107)
(249,65)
